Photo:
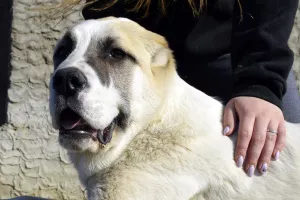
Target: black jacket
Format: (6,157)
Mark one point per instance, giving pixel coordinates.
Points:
(256,37)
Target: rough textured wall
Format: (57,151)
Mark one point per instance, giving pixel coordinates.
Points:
(294,44)
(31,162)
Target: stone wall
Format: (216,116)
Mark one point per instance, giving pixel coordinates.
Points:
(31,161)
(294,44)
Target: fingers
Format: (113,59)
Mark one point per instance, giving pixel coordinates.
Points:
(229,119)
(256,144)
(244,137)
(280,141)
(268,149)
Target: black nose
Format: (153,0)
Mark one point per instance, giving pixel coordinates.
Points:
(69,81)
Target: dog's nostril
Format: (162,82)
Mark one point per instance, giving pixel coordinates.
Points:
(76,82)
(68,81)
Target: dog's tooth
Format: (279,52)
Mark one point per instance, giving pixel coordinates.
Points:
(105,135)
(100,137)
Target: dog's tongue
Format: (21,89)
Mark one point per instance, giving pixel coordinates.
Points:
(69,120)
(70,124)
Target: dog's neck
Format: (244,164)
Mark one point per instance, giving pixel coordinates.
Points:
(182,96)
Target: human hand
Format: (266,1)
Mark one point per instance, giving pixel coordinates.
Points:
(255,142)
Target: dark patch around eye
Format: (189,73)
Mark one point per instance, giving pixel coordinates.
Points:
(106,44)
(109,48)
(65,48)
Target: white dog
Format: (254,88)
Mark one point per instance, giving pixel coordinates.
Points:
(135,130)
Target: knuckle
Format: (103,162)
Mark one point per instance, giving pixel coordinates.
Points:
(250,113)
(264,115)
(258,139)
(271,138)
(280,115)
(246,134)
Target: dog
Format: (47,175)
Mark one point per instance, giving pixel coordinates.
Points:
(134,129)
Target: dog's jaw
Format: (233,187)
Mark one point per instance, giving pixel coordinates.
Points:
(87,163)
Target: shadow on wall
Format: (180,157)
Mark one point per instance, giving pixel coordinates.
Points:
(5,50)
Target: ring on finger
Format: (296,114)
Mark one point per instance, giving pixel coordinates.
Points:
(272,131)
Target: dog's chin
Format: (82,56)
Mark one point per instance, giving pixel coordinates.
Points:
(75,134)
(78,144)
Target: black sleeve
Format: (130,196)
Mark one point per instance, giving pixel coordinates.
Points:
(261,58)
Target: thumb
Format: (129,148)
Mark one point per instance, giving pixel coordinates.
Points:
(229,118)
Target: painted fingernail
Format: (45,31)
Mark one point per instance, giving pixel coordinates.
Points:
(226,130)
(277,155)
(240,161)
(264,168)
(250,171)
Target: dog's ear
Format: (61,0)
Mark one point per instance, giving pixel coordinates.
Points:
(161,54)
(161,57)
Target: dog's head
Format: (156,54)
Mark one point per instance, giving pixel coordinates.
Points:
(109,74)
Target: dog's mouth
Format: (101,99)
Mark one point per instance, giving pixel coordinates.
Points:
(73,125)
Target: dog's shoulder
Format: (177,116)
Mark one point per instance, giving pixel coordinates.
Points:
(165,158)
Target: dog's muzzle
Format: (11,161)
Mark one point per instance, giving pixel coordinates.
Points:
(68,83)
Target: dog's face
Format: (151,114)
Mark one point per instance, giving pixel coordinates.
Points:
(108,76)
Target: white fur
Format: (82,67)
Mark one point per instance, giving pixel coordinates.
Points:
(99,102)
(183,155)
(173,147)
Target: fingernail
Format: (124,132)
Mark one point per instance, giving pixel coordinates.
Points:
(264,168)
(226,130)
(277,155)
(240,161)
(250,171)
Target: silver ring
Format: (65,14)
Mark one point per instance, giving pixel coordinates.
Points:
(272,131)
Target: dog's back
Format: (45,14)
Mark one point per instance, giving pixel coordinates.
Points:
(166,164)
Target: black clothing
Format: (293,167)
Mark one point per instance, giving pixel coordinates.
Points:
(260,57)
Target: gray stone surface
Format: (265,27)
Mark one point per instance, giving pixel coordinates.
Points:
(294,44)
(31,161)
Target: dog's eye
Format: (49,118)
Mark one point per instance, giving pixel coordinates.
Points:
(117,53)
